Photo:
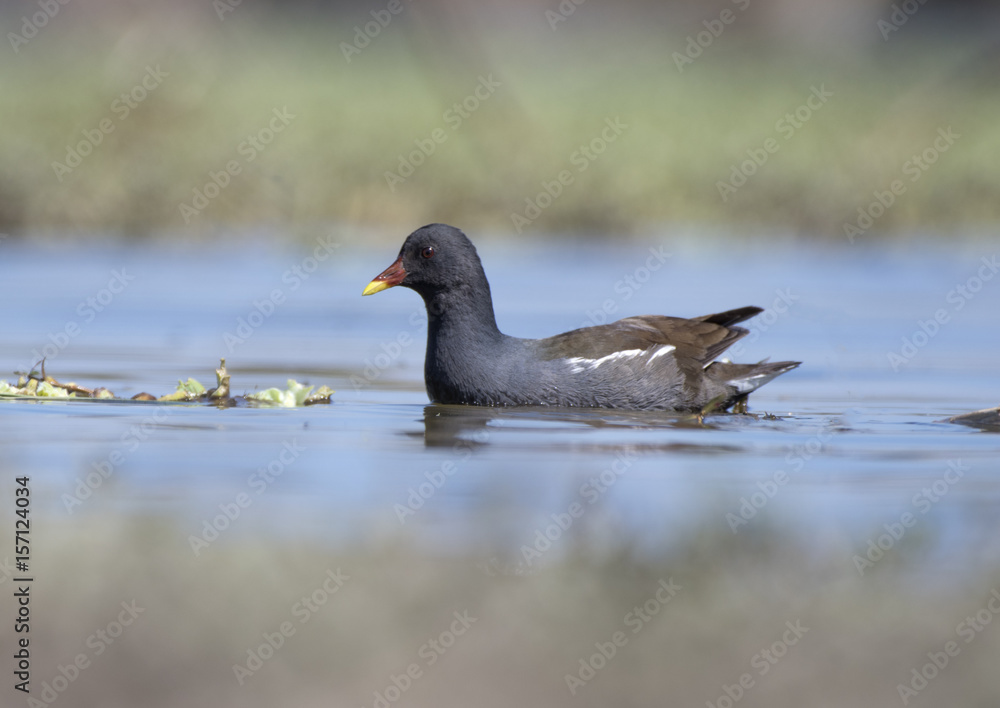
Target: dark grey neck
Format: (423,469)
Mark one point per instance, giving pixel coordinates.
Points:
(464,314)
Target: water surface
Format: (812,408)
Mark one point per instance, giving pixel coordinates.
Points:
(835,454)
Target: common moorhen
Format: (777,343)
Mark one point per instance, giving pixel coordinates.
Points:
(650,362)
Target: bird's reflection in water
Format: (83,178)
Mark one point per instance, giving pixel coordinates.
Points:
(446,426)
(474,426)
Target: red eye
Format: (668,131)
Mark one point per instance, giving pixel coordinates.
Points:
(427,252)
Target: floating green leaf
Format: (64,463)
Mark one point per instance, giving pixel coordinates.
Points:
(186,391)
(47,390)
(292,397)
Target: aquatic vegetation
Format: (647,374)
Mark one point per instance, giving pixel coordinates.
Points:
(295,395)
(36,384)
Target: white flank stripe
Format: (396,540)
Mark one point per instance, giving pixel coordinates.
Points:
(665,349)
(580,364)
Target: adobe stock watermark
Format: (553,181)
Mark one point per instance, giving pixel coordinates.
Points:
(453,119)
(628,286)
(224,7)
(636,619)
(389,352)
(967,630)
(494,567)
(6,570)
(391,349)
(914,168)
(293,277)
(767,489)
(365,34)
(31,26)
(417,496)
(259,482)
(957,297)
(97,642)
(900,15)
(781,305)
(122,108)
(786,127)
(557,524)
(581,158)
(763,661)
(563,12)
(102,470)
(590,491)
(698,43)
(302,610)
(86,312)
(249,149)
(795,461)
(922,502)
(430,652)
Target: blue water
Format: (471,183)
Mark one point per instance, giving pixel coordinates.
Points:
(854,437)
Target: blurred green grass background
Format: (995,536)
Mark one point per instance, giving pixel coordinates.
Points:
(354,119)
(202,616)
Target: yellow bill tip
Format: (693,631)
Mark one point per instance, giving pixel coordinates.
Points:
(375,286)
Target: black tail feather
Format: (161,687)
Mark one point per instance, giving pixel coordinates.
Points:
(730,317)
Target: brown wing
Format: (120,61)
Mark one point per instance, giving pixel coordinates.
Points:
(697,341)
